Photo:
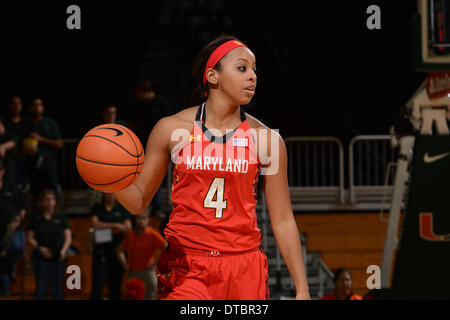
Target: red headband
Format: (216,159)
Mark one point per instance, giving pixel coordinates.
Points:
(219,53)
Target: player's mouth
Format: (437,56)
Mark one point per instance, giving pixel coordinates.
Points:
(250,90)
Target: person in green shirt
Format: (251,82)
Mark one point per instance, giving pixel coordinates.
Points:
(110,219)
(47,135)
(50,237)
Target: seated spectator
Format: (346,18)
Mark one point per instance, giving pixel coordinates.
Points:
(46,137)
(342,287)
(111,222)
(12,235)
(143,246)
(50,237)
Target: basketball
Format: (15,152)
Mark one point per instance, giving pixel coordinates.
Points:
(109,157)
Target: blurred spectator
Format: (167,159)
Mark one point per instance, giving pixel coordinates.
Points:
(145,109)
(14,120)
(12,235)
(43,142)
(143,246)
(18,125)
(111,222)
(50,237)
(8,143)
(342,286)
(109,115)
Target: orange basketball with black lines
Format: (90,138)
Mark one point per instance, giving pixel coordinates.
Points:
(109,157)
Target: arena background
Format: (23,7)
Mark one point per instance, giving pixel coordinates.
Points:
(321,72)
(316,60)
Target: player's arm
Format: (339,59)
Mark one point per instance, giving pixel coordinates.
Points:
(138,196)
(282,219)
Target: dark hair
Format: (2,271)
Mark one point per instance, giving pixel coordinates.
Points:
(199,64)
(340,271)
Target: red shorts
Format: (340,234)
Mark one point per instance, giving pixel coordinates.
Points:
(197,275)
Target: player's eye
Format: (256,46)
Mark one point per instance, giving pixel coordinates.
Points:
(242,68)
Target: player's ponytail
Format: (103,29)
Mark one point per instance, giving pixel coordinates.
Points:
(200,93)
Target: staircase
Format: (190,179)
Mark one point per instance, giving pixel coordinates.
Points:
(281,286)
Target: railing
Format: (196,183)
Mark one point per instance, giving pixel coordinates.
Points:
(317,178)
(326,276)
(370,159)
(315,170)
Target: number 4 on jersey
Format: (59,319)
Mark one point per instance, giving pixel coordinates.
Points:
(217,187)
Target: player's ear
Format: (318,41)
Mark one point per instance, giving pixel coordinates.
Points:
(212,76)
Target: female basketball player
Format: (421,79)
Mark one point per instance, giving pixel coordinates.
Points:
(212,232)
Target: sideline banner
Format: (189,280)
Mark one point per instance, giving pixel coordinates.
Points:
(423,256)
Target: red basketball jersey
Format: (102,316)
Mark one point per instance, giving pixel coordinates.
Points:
(214,190)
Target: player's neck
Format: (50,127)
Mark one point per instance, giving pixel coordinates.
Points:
(220,113)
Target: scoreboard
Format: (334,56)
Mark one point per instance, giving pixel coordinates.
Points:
(431,36)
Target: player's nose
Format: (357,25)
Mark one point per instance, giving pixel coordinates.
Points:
(252,77)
